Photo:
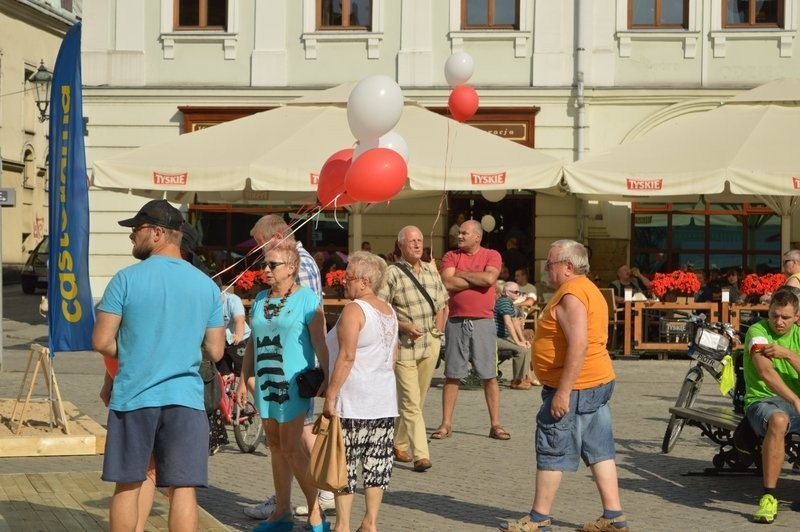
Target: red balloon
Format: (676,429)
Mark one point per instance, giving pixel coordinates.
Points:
(377,175)
(331,180)
(463,102)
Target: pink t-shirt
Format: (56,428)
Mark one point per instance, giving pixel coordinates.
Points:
(472,302)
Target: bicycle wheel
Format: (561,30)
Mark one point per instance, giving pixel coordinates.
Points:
(686,397)
(247,427)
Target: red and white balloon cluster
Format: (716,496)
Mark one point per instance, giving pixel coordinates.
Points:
(376,169)
(463,101)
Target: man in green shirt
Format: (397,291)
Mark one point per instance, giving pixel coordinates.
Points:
(772,397)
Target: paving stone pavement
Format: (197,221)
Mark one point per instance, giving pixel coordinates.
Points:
(475,481)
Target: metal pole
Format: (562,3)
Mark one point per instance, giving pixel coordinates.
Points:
(1,271)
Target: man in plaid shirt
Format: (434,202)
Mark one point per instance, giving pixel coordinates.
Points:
(419,324)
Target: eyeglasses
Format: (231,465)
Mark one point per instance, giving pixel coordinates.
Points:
(549,264)
(513,291)
(349,277)
(272,264)
(140,227)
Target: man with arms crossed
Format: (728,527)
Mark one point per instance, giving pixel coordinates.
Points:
(419,342)
(772,390)
(159,318)
(574,421)
(469,273)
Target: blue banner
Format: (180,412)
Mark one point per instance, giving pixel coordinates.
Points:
(71,316)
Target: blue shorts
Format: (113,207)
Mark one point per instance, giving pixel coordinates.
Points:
(176,436)
(584,432)
(759,413)
(470,340)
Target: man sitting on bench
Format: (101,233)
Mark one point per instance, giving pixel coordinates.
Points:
(772,389)
(509,335)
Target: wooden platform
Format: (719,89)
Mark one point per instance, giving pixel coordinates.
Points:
(86,437)
(75,501)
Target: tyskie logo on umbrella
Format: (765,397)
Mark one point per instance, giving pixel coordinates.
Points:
(488,179)
(170,179)
(644,184)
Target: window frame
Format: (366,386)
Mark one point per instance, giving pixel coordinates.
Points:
(657,26)
(778,24)
(202,14)
(705,211)
(345,26)
(490,15)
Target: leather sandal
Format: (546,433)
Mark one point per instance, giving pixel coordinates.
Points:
(499,433)
(441,433)
(526,524)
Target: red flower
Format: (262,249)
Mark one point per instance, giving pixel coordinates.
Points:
(758,285)
(250,278)
(677,281)
(335,277)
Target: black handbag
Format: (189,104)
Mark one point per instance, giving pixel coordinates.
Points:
(212,387)
(309,381)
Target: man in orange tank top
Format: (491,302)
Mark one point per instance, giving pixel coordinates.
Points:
(574,421)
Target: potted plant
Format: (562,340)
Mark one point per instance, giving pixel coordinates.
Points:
(334,283)
(669,286)
(250,283)
(756,286)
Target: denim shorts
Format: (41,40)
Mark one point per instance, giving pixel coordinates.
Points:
(470,340)
(585,432)
(176,436)
(759,413)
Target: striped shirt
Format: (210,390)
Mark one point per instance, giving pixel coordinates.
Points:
(411,306)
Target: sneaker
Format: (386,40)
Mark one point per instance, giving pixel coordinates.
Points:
(767,509)
(262,510)
(328,507)
(214,449)
(604,524)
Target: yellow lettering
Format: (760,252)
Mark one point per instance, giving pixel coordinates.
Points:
(64,218)
(65,258)
(76,313)
(65,99)
(67,285)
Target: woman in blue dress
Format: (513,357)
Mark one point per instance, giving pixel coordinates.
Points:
(288,326)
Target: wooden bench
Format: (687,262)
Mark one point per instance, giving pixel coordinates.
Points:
(718,424)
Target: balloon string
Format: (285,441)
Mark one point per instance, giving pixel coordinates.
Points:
(293,226)
(444,185)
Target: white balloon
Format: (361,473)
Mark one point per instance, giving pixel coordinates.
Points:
(392,140)
(458,68)
(488,223)
(374,107)
(493,195)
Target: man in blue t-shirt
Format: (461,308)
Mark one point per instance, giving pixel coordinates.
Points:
(159,318)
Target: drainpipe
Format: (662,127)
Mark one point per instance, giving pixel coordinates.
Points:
(582,21)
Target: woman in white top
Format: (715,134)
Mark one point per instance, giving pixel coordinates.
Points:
(362,391)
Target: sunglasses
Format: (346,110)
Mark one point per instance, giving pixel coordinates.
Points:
(349,277)
(272,264)
(513,291)
(140,227)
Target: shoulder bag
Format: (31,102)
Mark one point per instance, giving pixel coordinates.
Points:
(419,286)
(327,468)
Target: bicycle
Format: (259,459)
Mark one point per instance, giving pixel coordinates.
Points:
(246,422)
(709,344)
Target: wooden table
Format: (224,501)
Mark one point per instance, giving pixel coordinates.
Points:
(635,322)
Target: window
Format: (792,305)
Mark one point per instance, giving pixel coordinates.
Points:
(705,236)
(658,14)
(201,14)
(29,169)
(338,14)
(494,14)
(752,13)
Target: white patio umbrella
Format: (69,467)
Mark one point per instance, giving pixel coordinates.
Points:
(283,150)
(746,147)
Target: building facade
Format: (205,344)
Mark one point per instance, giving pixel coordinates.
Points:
(585,76)
(30,35)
